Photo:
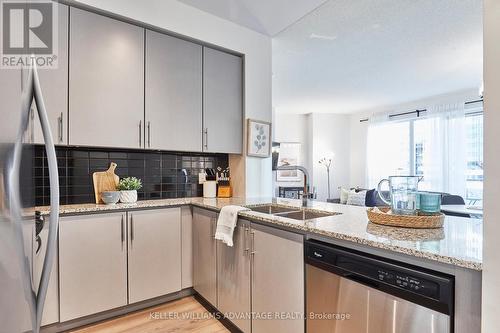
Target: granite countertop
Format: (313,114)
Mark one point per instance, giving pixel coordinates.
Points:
(458,243)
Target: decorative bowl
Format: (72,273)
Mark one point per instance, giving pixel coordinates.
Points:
(110,197)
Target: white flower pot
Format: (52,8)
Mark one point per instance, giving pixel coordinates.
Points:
(128,196)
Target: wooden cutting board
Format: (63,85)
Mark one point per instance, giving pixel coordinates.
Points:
(105,181)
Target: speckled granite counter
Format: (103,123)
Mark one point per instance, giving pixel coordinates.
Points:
(458,243)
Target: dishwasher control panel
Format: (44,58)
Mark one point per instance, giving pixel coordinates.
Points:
(417,284)
(409,282)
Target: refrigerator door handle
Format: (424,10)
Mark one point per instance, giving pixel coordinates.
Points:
(50,151)
(32,91)
(12,178)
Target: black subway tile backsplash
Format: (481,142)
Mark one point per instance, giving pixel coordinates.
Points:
(163,174)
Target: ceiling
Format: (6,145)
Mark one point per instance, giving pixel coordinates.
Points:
(354,55)
(265,16)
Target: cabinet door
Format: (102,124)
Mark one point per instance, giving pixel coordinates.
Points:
(233,275)
(173,93)
(106,81)
(51,307)
(222,102)
(204,254)
(154,253)
(277,279)
(54,83)
(92,264)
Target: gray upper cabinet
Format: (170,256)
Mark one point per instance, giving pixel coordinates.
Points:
(173,93)
(106,81)
(222,102)
(54,83)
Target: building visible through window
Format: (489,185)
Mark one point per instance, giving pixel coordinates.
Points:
(446,151)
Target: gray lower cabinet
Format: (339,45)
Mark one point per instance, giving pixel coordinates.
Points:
(222,102)
(205,254)
(154,253)
(262,273)
(106,81)
(173,93)
(277,279)
(92,264)
(54,83)
(233,277)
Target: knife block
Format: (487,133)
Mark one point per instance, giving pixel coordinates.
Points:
(224,191)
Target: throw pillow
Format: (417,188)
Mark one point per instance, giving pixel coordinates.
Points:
(344,194)
(371,198)
(357,199)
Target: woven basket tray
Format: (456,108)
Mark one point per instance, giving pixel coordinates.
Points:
(384,216)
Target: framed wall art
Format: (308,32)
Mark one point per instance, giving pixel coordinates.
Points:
(289,154)
(259,138)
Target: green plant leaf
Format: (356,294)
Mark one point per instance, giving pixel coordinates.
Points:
(129,184)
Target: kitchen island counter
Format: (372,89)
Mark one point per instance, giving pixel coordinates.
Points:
(459,243)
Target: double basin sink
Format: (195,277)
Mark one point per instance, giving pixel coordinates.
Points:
(300,214)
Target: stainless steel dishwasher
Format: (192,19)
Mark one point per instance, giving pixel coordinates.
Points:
(353,292)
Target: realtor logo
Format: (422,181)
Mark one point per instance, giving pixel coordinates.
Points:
(29,33)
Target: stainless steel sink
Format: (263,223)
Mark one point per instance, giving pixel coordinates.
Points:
(306,215)
(273,209)
(296,213)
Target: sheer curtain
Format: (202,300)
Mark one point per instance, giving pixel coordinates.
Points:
(442,135)
(387,149)
(433,146)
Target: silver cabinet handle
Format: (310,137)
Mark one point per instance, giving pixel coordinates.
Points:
(246,248)
(140,133)
(32,125)
(149,134)
(122,231)
(252,261)
(205,132)
(252,253)
(60,128)
(131,229)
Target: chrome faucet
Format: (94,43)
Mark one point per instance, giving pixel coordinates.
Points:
(305,193)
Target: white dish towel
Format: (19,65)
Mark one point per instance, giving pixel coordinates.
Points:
(226,223)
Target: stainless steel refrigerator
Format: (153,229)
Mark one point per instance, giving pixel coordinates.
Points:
(21,298)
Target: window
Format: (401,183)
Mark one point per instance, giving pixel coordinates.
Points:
(474,180)
(445,149)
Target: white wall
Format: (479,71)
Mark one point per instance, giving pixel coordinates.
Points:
(359,133)
(293,128)
(321,135)
(191,22)
(491,262)
(330,137)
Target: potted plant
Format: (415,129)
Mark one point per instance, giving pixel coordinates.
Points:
(128,189)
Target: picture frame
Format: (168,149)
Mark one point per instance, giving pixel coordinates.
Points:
(258,138)
(289,154)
